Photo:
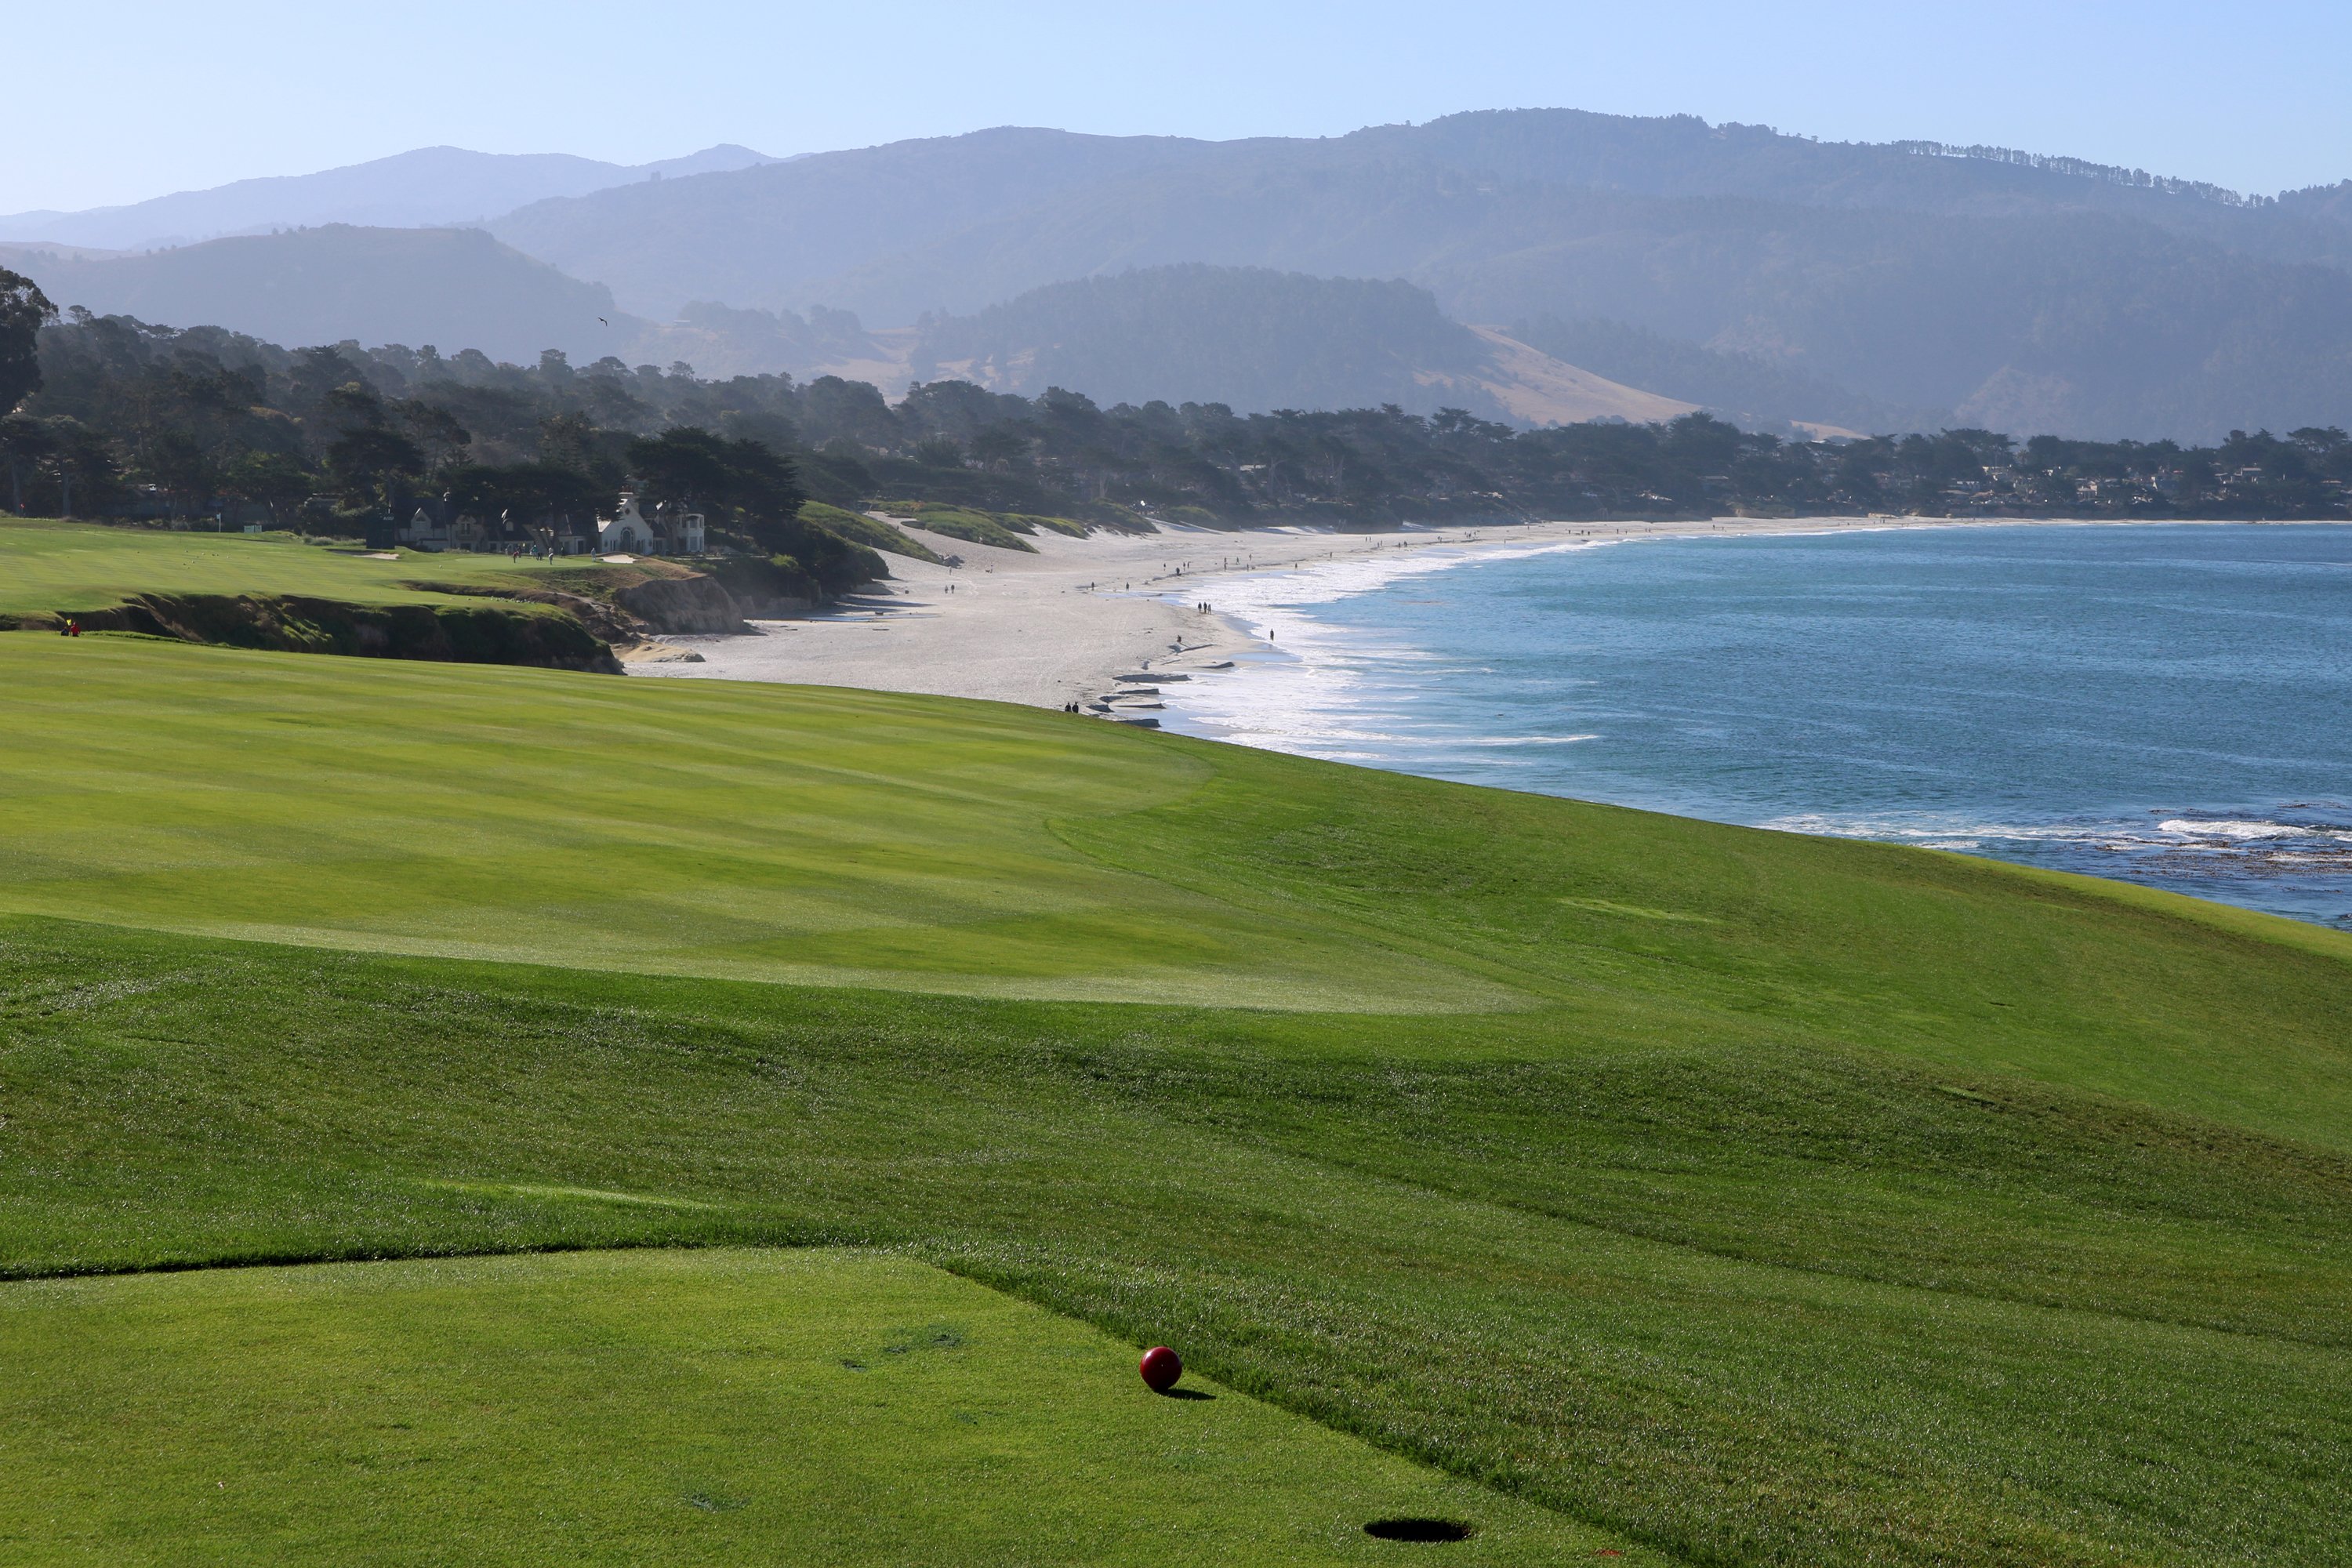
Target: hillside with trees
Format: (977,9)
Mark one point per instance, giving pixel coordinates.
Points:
(1750,389)
(2004,287)
(147,422)
(1253,338)
(1769,277)
(428,187)
(207,426)
(325,285)
(1256,340)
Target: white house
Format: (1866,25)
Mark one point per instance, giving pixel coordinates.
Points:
(667,533)
(626,530)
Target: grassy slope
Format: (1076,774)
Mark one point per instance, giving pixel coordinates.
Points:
(861,530)
(971,526)
(828,836)
(818,1407)
(77,568)
(1807,1202)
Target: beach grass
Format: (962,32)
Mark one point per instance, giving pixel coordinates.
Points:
(1751,1198)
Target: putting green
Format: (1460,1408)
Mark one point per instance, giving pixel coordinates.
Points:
(805,1407)
(720,830)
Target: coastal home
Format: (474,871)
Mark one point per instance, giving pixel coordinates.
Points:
(627,530)
(682,530)
(562,539)
(435,526)
(423,532)
(671,531)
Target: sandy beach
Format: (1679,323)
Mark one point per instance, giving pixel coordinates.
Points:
(1060,625)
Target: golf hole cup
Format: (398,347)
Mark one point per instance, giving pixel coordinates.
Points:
(1161,1367)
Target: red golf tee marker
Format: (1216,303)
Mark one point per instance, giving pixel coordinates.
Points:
(1161,1367)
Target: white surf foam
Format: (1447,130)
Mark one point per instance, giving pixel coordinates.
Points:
(2192,828)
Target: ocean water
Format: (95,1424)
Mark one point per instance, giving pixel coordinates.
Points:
(2167,703)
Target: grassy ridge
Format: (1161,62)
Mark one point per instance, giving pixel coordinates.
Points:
(1767,1199)
(73,568)
(859,529)
(273,592)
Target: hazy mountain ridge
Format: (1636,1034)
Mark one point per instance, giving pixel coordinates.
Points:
(1255,339)
(1829,282)
(1258,341)
(761,236)
(426,187)
(1748,389)
(926,193)
(2087,323)
(459,289)
(2030,292)
(1684,155)
(1249,338)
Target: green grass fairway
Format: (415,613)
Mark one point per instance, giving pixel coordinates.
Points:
(801,1407)
(76,568)
(1757,1199)
(822,837)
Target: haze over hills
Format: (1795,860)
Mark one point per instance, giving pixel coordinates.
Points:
(431,187)
(1249,338)
(1746,388)
(738,239)
(2052,294)
(1259,341)
(1767,275)
(456,289)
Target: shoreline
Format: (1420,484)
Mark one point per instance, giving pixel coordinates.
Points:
(1410,689)
(1059,625)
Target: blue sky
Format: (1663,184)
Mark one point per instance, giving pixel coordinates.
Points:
(127,100)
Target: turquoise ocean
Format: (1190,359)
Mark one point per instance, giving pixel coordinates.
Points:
(2168,704)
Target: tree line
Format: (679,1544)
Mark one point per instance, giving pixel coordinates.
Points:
(113,416)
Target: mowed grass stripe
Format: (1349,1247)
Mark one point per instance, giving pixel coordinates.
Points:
(852,838)
(803,1407)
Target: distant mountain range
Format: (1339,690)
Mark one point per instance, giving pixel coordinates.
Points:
(958,223)
(430,187)
(1252,339)
(1767,275)
(456,288)
(1258,341)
